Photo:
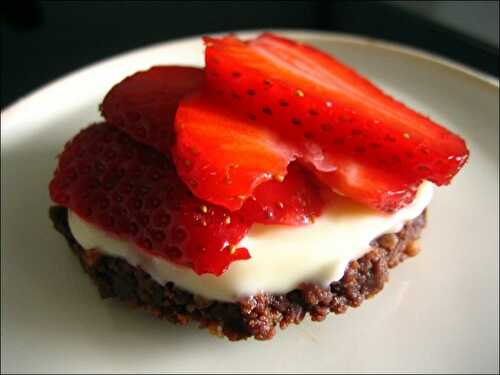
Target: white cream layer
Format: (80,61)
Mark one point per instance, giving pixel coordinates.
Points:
(282,257)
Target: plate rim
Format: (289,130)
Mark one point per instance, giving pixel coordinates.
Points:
(10,111)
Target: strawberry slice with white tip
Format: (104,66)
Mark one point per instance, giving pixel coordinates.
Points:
(376,188)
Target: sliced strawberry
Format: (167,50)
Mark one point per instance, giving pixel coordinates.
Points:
(221,155)
(153,96)
(133,192)
(373,187)
(144,104)
(296,200)
(327,111)
(248,155)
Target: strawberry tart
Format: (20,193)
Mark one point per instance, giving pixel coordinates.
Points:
(273,183)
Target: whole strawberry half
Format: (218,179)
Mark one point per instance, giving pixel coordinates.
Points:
(144,104)
(133,192)
(334,119)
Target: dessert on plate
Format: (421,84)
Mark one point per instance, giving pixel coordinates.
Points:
(273,183)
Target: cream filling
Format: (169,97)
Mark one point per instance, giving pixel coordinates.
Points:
(282,257)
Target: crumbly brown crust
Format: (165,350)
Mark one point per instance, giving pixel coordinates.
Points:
(256,316)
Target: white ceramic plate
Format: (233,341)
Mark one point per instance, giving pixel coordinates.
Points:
(439,312)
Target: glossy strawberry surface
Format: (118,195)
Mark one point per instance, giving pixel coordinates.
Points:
(133,192)
(332,116)
(144,104)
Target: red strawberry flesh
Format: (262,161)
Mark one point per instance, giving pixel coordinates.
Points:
(249,155)
(222,155)
(372,187)
(133,192)
(330,113)
(143,105)
(297,200)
